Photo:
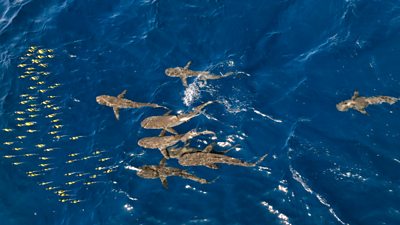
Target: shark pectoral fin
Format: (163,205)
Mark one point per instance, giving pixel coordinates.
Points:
(355,95)
(164,182)
(208,148)
(171,130)
(188,65)
(167,113)
(363,111)
(212,166)
(165,153)
(184,81)
(162,133)
(122,94)
(116,112)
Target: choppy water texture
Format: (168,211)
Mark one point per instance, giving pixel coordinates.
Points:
(65,159)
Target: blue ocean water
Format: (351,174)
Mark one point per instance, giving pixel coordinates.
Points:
(294,61)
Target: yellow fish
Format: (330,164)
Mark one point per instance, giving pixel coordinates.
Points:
(69,174)
(33,115)
(31,131)
(40,145)
(94,176)
(8,129)
(21,137)
(32,87)
(97,152)
(9,156)
(75,138)
(48,169)
(45,183)
(45,102)
(44,65)
(8,143)
(55,121)
(52,188)
(58,126)
(75,201)
(44,164)
(35,61)
(40,82)
(57,84)
(23,76)
(53,132)
(33,110)
(43,90)
(19,119)
(72,182)
(49,106)
(44,73)
(50,50)
(34,174)
(41,51)
(65,200)
(52,96)
(29,72)
(40,57)
(17,149)
(21,65)
(28,54)
(28,124)
(71,161)
(32,98)
(23,58)
(34,78)
(23,102)
(31,50)
(51,115)
(58,137)
(56,108)
(32,105)
(99,168)
(108,171)
(30,68)
(90,182)
(17,163)
(29,155)
(73,154)
(50,149)
(104,159)
(23,95)
(82,174)
(50,56)
(87,157)
(44,158)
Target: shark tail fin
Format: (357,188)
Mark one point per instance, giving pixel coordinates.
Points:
(260,159)
(200,107)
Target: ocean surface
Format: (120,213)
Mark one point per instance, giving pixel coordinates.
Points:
(66,160)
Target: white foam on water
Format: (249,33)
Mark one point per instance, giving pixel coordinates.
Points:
(266,116)
(191,94)
(296,176)
(282,217)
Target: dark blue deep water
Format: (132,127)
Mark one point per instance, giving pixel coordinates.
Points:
(64,158)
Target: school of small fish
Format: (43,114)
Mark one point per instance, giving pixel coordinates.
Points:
(38,117)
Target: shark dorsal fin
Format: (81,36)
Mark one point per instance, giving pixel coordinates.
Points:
(122,94)
(208,148)
(162,133)
(355,95)
(188,65)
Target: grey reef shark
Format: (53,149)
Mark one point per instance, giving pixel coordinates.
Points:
(120,102)
(167,122)
(189,156)
(360,103)
(161,171)
(161,142)
(185,72)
